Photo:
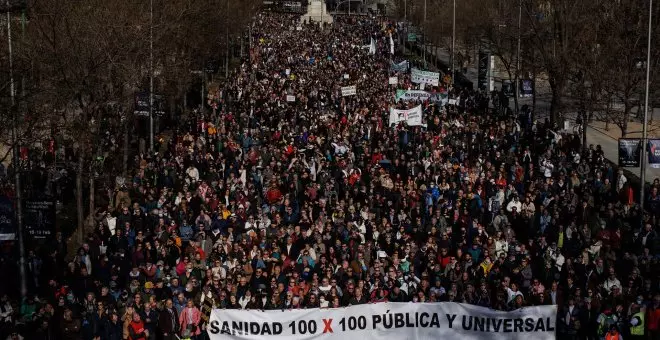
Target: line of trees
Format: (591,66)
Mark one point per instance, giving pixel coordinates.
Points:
(78,65)
(592,53)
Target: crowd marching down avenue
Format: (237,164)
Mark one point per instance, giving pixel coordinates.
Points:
(330,172)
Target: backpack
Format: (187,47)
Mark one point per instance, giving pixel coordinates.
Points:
(606,323)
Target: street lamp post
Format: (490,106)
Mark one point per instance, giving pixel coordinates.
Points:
(646,112)
(151,75)
(453,43)
(424,45)
(16,160)
(516,85)
(405,23)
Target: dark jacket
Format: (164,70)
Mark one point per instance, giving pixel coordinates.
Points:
(113,331)
(166,324)
(70,329)
(153,320)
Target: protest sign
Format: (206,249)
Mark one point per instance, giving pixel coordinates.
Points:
(421,95)
(290,98)
(441,98)
(424,77)
(654,153)
(212,67)
(412,95)
(393,80)
(390,320)
(508,88)
(400,67)
(142,104)
(40,218)
(630,152)
(348,91)
(7,226)
(527,88)
(412,117)
(483,70)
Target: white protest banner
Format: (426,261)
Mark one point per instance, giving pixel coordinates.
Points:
(290,98)
(413,117)
(424,77)
(441,98)
(348,91)
(389,320)
(400,67)
(412,95)
(394,80)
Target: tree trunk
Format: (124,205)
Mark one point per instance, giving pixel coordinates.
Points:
(79,198)
(515,92)
(584,128)
(124,170)
(533,95)
(242,39)
(640,109)
(92,198)
(624,120)
(227,52)
(555,103)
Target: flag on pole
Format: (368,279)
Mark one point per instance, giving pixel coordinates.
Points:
(372,47)
(391,44)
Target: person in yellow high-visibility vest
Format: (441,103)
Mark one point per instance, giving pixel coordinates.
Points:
(637,323)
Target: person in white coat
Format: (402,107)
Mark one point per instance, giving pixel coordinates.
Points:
(515,203)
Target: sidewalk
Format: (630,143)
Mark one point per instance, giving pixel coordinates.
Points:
(608,139)
(610,146)
(634,129)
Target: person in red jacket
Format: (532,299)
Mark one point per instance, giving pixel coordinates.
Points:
(653,318)
(273,195)
(136,329)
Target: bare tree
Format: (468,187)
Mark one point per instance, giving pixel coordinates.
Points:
(83,54)
(496,27)
(89,59)
(554,27)
(623,26)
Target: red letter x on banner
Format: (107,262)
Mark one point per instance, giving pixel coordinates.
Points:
(327,323)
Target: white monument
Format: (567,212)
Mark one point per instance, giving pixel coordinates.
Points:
(317,12)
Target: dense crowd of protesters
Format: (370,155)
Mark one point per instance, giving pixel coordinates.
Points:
(267,203)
